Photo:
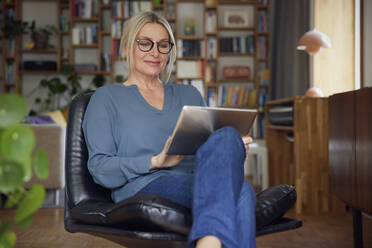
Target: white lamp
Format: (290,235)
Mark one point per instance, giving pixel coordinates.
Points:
(312,42)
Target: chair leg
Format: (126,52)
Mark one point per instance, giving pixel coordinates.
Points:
(358,228)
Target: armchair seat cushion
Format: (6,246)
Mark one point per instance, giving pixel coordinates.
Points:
(152,213)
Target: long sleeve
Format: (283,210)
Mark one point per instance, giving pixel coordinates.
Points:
(107,168)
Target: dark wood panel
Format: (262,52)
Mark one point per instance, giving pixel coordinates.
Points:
(364,149)
(342,146)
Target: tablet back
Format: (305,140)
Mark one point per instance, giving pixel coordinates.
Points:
(196,124)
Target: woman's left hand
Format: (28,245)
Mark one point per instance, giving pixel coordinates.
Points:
(247,140)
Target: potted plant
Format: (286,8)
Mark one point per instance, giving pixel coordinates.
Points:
(17,166)
(13,28)
(40,36)
(60,92)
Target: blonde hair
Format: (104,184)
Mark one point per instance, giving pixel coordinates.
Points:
(131,29)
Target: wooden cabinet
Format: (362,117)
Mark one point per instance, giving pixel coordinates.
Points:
(298,154)
(350,149)
(350,155)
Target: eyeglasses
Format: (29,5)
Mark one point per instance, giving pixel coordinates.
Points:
(145,45)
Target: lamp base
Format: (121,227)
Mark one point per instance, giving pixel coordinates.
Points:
(314,92)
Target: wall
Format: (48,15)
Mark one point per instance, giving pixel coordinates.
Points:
(333,69)
(367,41)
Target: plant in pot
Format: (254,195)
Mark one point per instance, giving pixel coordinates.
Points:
(40,36)
(13,28)
(18,163)
(59,93)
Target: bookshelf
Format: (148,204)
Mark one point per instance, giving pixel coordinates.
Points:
(212,36)
(10,43)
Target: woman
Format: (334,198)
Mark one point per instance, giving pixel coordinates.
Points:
(126,127)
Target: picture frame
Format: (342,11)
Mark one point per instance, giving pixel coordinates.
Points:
(236,19)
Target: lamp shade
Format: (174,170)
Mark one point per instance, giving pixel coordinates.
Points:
(312,41)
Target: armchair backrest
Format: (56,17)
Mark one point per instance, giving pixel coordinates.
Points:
(79,183)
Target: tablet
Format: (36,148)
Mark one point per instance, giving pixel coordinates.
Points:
(195,124)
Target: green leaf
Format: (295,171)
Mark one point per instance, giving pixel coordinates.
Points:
(26,222)
(40,164)
(13,108)
(13,199)
(5,226)
(11,175)
(7,240)
(30,204)
(16,145)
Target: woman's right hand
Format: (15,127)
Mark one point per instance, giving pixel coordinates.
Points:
(163,160)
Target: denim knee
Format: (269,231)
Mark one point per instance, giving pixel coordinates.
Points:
(223,138)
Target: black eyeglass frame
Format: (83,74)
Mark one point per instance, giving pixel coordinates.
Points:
(152,45)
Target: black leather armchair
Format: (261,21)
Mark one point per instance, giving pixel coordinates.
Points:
(145,220)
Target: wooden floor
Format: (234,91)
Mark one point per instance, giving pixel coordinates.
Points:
(317,232)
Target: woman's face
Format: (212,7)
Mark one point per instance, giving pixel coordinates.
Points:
(150,63)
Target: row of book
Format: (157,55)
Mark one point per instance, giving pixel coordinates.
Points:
(258,128)
(237,44)
(211,47)
(63,23)
(237,95)
(211,97)
(190,48)
(262,47)
(210,73)
(115,48)
(210,21)
(263,21)
(123,9)
(82,8)
(105,61)
(117,28)
(84,35)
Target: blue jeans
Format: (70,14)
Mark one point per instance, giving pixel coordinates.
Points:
(222,203)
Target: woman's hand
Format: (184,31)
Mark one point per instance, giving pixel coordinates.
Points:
(163,160)
(247,140)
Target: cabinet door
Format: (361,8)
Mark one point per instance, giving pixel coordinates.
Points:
(363,170)
(342,146)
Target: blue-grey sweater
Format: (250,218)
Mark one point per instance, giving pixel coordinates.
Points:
(122,133)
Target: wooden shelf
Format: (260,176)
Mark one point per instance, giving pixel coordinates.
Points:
(157,7)
(42,51)
(94,72)
(105,6)
(190,38)
(120,18)
(79,19)
(38,72)
(237,54)
(85,46)
(234,80)
(189,78)
(236,28)
(277,127)
(190,58)
(236,2)
(105,33)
